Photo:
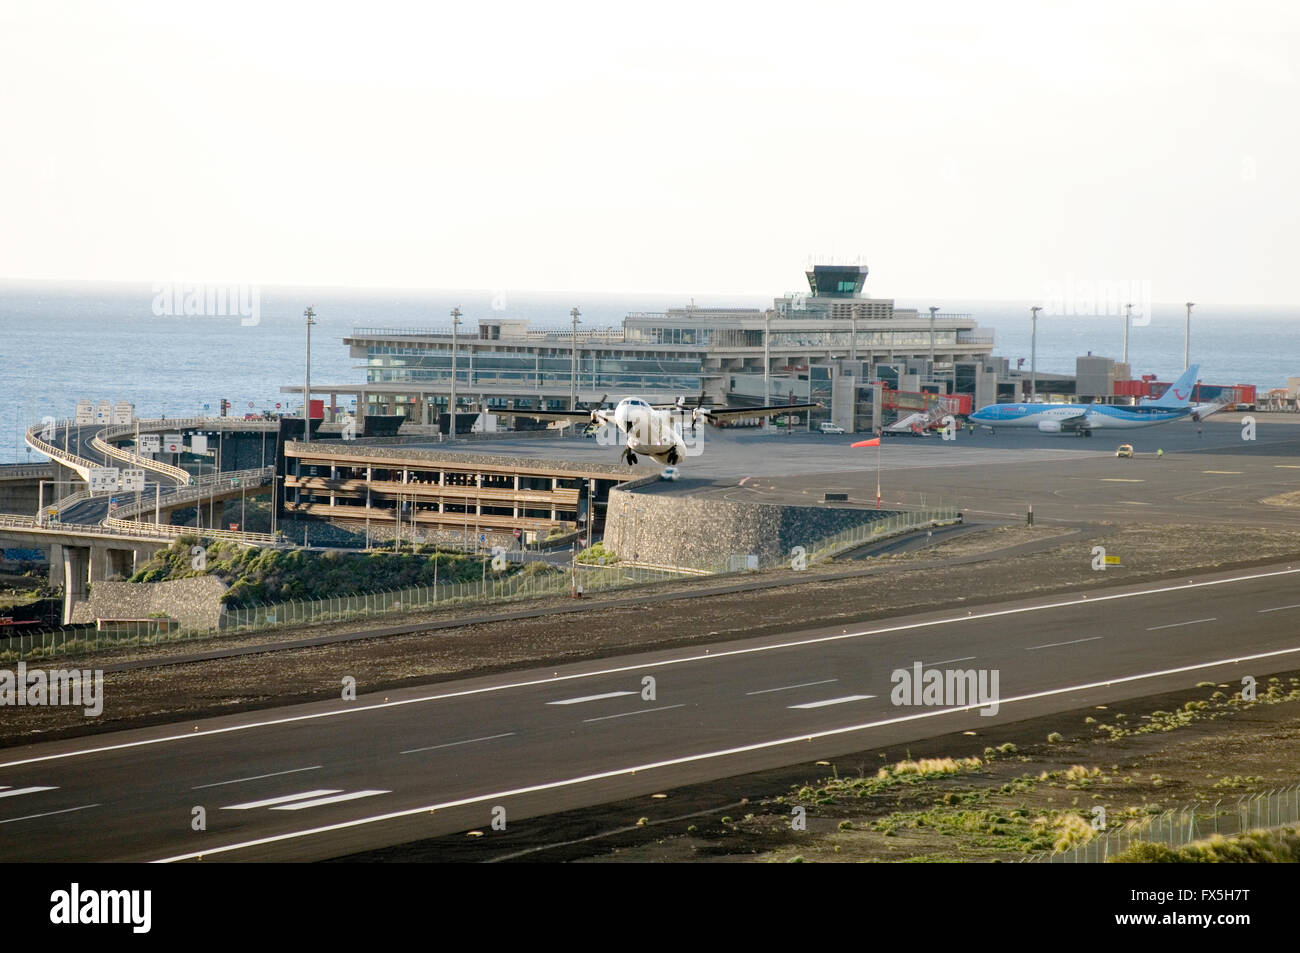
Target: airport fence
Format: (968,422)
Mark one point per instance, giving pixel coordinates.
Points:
(1178,827)
(490,588)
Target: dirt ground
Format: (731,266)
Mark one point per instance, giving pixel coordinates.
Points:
(995,800)
(1009,562)
(1000,796)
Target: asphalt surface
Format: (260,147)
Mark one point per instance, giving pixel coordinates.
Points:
(327,779)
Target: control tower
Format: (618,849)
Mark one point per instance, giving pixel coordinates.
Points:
(836,281)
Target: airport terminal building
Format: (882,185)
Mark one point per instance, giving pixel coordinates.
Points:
(795,350)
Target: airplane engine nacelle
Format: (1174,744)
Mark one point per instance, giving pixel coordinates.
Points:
(1049,426)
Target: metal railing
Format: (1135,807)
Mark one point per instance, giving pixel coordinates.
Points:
(1178,827)
(22,471)
(199,490)
(167,531)
(66,457)
(101,443)
(490,588)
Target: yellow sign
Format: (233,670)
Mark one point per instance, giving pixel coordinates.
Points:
(1112,561)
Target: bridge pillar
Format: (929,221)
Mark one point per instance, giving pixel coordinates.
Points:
(142,555)
(98,563)
(119,563)
(56,565)
(76,573)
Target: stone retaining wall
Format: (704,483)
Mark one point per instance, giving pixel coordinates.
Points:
(679,530)
(194,602)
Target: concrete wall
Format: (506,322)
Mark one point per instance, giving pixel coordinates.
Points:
(19,496)
(674,530)
(195,602)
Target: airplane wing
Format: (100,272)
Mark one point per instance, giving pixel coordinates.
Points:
(1067,424)
(736,413)
(571,416)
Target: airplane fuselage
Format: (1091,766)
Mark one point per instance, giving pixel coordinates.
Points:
(1065,418)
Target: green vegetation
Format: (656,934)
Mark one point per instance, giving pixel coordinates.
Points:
(1281,846)
(597,554)
(269,575)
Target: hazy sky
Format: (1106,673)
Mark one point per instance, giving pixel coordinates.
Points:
(965,150)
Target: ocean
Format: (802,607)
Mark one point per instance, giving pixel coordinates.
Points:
(61,342)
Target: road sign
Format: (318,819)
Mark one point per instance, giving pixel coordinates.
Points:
(104,413)
(150,443)
(482,537)
(199,443)
(517,533)
(103,479)
(133,481)
(173,443)
(123,412)
(85,413)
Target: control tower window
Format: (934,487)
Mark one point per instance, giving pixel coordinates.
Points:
(846,286)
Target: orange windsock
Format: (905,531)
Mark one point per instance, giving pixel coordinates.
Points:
(873,442)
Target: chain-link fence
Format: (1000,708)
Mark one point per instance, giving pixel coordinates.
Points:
(492,587)
(1178,827)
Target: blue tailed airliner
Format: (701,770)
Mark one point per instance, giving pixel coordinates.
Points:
(1083,419)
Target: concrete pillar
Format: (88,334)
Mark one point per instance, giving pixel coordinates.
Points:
(56,565)
(98,563)
(334,402)
(76,569)
(119,563)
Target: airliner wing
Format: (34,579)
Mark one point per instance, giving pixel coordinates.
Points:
(736,413)
(572,416)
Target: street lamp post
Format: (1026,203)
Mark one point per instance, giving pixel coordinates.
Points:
(1128,316)
(767,362)
(451,400)
(310,315)
(932,311)
(1187,338)
(573,376)
(1033,354)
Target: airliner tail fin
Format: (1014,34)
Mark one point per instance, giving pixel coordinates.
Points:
(1179,393)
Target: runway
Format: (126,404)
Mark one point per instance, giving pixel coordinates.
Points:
(326,779)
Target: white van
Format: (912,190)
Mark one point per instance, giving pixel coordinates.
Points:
(828,427)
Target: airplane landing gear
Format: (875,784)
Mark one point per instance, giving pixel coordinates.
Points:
(630,457)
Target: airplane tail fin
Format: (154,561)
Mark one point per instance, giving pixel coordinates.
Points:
(1179,393)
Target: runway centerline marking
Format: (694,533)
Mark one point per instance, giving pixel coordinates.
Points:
(20,791)
(1174,625)
(589,698)
(787,688)
(639,711)
(663,663)
(1280,608)
(1052,645)
(800,739)
(1224,472)
(320,801)
(1120,480)
(452,744)
(284,799)
(833,701)
(256,777)
(32,817)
